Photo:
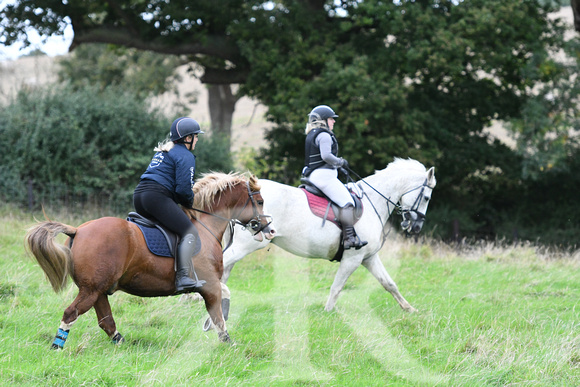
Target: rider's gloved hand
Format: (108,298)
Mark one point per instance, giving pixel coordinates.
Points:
(344,163)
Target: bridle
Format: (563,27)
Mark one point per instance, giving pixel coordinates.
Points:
(255,224)
(413,214)
(408,214)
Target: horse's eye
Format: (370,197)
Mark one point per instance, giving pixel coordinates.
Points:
(260,202)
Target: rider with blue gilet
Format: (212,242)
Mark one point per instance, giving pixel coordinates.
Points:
(321,168)
(167,182)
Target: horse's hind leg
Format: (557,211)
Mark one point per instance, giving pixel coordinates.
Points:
(376,267)
(82,303)
(105,319)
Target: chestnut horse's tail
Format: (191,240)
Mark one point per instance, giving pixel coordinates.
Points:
(54,258)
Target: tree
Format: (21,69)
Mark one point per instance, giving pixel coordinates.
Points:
(420,78)
(140,72)
(576,13)
(199,31)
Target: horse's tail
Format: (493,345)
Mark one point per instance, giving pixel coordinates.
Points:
(54,258)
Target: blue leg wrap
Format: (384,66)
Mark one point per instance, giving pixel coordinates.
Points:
(118,339)
(60,339)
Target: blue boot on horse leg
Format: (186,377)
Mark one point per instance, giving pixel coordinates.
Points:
(61,336)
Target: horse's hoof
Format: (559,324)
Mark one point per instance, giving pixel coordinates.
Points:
(207,325)
(118,339)
(224,337)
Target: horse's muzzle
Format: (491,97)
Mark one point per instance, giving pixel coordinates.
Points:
(269,232)
(260,229)
(412,222)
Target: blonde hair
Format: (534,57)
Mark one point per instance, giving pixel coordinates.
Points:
(315,122)
(164,146)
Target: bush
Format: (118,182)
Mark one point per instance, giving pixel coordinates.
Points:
(87,143)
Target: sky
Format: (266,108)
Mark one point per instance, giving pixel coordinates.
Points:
(56,45)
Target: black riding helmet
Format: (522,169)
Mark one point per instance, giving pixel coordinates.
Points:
(321,113)
(183,127)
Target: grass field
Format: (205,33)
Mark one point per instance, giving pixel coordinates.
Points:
(488,316)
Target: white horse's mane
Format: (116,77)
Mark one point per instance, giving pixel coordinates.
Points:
(403,166)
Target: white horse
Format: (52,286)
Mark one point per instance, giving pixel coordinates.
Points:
(404,185)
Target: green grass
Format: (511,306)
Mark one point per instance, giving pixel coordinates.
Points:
(488,316)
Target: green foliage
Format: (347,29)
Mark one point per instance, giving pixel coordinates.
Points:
(213,154)
(424,80)
(88,141)
(140,72)
(547,132)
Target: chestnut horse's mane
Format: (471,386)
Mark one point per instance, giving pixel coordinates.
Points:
(211,184)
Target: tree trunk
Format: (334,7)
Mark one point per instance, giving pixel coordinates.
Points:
(222,103)
(576,12)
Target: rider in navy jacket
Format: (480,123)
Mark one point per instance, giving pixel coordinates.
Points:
(174,170)
(167,182)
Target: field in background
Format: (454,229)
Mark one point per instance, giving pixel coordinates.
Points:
(248,121)
(488,315)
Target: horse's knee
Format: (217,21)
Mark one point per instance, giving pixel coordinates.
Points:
(71,314)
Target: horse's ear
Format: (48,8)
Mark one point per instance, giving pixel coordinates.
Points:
(431,175)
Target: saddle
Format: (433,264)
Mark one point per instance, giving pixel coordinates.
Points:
(160,241)
(323,207)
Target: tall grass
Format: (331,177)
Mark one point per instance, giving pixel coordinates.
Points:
(489,315)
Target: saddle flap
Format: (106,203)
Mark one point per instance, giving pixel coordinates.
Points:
(160,241)
(315,205)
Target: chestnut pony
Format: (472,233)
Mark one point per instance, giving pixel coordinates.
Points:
(109,254)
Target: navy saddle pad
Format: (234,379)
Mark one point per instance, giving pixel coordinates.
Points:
(158,240)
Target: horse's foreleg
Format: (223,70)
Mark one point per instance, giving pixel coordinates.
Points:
(208,325)
(82,303)
(376,267)
(213,304)
(227,272)
(105,319)
(347,266)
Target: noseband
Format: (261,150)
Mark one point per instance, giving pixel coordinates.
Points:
(255,224)
(413,215)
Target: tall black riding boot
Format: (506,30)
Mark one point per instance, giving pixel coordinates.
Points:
(184,265)
(349,237)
